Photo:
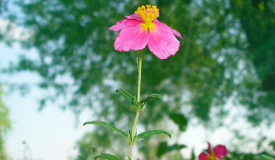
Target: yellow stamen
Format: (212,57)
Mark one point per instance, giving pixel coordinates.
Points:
(211,157)
(148,15)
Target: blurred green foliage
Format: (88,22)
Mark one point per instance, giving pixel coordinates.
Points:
(228,51)
(4,125)
(164,148)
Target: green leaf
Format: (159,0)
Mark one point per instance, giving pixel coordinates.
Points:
(106,125)
(127,95)
(107,156)
(150,133)
(267,157)
(180,120)
(144,100)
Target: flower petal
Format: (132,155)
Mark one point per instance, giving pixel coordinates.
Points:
(202,156)
(209,148)
(167,27)
(131,38)
(134,16)
(220,151)
(125,23)
(162,42)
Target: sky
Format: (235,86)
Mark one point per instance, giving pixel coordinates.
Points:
(51,134)
(46,132)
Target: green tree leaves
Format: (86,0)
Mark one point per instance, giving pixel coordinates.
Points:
(4,125)
(165,148)
(180,120)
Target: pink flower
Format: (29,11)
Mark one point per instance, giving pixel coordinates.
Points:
(143,28)
(217,153)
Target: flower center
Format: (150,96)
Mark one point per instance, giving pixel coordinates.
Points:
(210,157)
(148,14)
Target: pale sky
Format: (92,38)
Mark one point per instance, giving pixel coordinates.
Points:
(51,134)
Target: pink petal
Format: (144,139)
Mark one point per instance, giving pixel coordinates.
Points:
(134,16)
(131,38)
(125,23)
(162,42)
(202,156)
(167,27)
(209,148)
(220,151)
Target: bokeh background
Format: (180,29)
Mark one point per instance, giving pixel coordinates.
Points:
(59,69)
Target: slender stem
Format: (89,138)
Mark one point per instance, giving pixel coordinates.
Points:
(135,124)
(130,150)
(139,75)
(131,144)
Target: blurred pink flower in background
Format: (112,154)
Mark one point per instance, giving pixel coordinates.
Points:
(143,28)
(217,152)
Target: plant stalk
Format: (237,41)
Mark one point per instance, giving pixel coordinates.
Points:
(131,144)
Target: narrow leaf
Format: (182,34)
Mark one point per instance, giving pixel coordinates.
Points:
(106,125)
(107,156)
(127,95)
(150,133)
(267,157)
(144,100)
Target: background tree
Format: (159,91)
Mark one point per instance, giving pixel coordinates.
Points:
(4,126)
(228,52)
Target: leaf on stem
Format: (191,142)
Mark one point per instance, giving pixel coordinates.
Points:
(267,157)
(127,95)
(107,156)
(144,100)
(106,125)
(150,133)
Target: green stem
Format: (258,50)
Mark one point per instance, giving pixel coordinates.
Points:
(139,75)
(135,124)
(138,108)
(130,150)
